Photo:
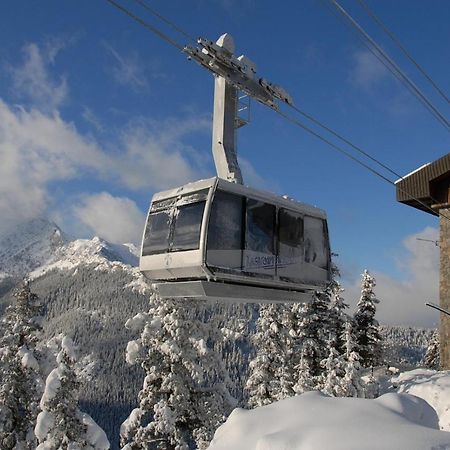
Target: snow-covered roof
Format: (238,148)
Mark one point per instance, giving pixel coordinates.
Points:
(412,173)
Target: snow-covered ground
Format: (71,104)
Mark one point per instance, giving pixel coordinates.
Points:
(315,421)
(432,386)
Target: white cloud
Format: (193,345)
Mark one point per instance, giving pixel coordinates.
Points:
(367,70)
(153,154)
(129,70)
(32,81)
(116,219)
(36,149)
(402,301)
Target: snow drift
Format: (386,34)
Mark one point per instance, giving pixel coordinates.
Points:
(314,421)
(432,386)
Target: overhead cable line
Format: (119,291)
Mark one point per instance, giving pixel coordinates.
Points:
(390,64)
(351,144)
(308,116)
(405,51)
(165,20)
(356,160)
(343,139)
(298,123)
(145,24)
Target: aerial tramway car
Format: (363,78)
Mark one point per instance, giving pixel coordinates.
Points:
(217,239)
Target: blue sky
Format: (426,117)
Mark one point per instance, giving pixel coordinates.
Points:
(97,113)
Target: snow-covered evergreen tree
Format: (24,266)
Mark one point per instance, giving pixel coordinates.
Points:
(337,317)
(271,370)
(61,424)
(351,383)
(334,372)
(20,377)
(312,323)
(432,355)
(305,381)
(369,339)
(178,408)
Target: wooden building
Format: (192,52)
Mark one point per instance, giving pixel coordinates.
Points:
(428,189)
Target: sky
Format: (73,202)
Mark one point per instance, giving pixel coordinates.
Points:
(97,114)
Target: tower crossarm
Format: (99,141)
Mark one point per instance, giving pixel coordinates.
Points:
(232,74)
(240,72)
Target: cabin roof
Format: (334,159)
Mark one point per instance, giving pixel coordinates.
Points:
(282,201)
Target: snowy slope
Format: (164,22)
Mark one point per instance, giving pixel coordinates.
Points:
(315,421)
(432,386)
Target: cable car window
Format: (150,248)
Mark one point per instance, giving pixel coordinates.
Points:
(316,248)
(156,239)
(290,237)
(260,227)
(225,223)
(188,222)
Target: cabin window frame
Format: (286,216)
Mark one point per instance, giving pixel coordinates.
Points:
(172,206)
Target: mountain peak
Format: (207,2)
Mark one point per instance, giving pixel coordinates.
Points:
(40,245)
(29,245)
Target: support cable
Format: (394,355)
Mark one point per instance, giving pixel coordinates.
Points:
(351,144)
(405,51)
(297,122)
(165,20)
(145,24)
(387,61)
(356,160)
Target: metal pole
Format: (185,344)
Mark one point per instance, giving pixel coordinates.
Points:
(224,131)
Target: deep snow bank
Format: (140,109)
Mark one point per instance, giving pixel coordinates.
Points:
(432,386)
(315,421)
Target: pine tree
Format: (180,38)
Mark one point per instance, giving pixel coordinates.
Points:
(369,340)
(312,324)
(351,383)
(337,317)
(178,407)
(271,376)
(60,424)
(305,381)
(432,354)
(331,380)
(21,383)
(334,373)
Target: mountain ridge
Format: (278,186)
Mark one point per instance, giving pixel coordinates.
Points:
(39,245)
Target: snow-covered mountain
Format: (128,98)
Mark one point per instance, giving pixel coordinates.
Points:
(89,288)
(38,246)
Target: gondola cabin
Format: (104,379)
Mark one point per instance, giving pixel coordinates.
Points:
(218,240)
